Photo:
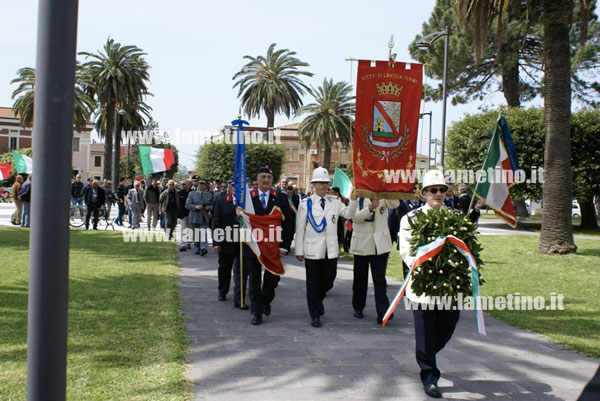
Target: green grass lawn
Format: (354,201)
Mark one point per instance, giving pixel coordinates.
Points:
(126,333)
(512,265)
(534,223)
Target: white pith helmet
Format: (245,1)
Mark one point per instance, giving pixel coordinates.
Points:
(433,177)
(320,174)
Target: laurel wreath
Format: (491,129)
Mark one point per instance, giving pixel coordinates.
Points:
(448,273)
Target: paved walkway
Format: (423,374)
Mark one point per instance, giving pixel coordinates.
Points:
(355,359)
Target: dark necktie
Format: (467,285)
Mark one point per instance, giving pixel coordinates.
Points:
(323,203)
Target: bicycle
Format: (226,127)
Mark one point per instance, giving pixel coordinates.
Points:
(77,218)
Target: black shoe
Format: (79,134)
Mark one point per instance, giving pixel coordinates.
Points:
(316,322)
(189,246)
(203,252)
(183,249)
(358,314)
(245,307)
(380,318)
(321,310)
(256,320)
(222,298)
(432,390)
(267,310)
(197,252)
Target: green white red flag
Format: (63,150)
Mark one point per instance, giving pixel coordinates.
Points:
(501,158)
(23,164)
(5,170)
(155,160)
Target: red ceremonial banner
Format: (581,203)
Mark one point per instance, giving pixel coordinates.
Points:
(388,100)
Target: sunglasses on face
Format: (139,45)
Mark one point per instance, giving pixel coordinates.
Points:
(435,190)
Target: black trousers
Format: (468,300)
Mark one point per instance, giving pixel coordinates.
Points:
(260,298)
(95,210)
(361,281)
(433,329)
(320,275)
(171,216)
(228,262)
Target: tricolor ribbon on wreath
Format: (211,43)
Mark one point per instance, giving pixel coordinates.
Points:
(428,251)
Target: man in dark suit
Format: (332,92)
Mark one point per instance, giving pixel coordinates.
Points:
(226,244)
(94,199)
(264,198)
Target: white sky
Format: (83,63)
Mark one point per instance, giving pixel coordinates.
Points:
(195,47)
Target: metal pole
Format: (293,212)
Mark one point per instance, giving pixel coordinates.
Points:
(116,148)
(444,95)
(49,236)
(429,146)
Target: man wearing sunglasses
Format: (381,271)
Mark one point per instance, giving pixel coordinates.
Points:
(433,326)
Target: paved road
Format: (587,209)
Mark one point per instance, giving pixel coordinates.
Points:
(353,359)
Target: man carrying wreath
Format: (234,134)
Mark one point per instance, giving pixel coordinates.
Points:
(433,326)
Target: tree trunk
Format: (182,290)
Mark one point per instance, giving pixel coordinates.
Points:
(520,208)
(597,204)
(118,150)
(509,60)
(588,213)
(327,157)
(510,82)
(556,235)
(270,118)
(108,140)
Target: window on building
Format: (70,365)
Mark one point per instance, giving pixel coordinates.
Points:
(75,144)
(13,143)
(97,161)
(294,154)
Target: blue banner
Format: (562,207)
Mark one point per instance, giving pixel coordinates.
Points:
(239,168)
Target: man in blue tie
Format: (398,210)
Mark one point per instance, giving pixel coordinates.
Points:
(317,242)
(264,198)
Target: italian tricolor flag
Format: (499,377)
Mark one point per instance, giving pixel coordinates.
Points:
(501,158)
(23,164)
(155,160)
(5,170)
(341,180)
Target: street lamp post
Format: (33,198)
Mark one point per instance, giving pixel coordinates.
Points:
(116,148)
(429,143)
(426,43)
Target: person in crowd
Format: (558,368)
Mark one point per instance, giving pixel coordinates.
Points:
(225,221)
(94,200)
(135,202)
(25,196)
(151,197)
(264,199)
(77,192)
(15,189)
(169,205)
(200,203)
(109,195)
(121,194)
(317,245)
(371,245)
(183,213)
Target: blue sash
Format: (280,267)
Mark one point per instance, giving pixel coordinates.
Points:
(311,219)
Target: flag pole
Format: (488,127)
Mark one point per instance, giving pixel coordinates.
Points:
(487,153)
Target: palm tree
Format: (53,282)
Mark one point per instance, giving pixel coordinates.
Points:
(330,117)
(556,235)
(271,84)
(23,105)
(116,76)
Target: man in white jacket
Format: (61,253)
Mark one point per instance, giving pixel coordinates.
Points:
(433,326)
(317,241)
(371,244)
